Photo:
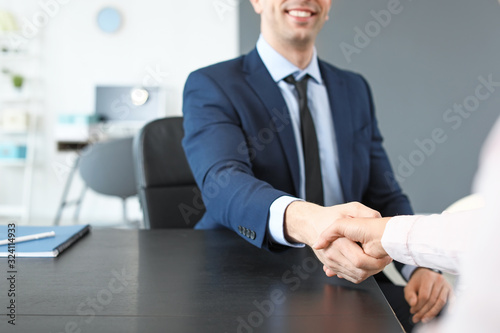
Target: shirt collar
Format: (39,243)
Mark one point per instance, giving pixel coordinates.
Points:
(279,67)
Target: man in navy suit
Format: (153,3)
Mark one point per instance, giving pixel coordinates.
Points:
(245,143)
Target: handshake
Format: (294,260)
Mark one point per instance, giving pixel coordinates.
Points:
(345,238)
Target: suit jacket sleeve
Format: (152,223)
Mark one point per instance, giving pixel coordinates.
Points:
(217,152)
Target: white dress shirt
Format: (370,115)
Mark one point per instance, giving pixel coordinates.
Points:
(412,239)
(319,106)
(466,243)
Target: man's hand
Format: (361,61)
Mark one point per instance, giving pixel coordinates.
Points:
(304,222)
(347,260)
(366,231)
(426,293)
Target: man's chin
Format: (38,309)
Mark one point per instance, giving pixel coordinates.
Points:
(303,34)
(301,39)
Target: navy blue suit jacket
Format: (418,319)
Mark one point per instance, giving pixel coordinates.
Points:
(241,148)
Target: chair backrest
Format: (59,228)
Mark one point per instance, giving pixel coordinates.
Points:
(167,191)
(108,168)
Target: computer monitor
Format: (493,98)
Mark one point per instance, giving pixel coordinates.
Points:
(120,103)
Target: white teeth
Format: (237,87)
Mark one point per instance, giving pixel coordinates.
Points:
(299,13)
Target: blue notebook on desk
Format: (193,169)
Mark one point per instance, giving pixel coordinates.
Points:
(46,247)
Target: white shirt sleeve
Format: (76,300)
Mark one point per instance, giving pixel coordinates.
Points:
(276,220)
(434,241)
(476,308)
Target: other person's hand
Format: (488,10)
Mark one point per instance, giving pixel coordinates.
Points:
(366,231)
(304,222)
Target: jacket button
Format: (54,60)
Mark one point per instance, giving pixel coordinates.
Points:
(252,235)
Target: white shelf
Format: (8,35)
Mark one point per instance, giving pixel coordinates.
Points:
(27,61)
(13,133)
(11,210)
(6,34)
(13,99)
(17,57)
(19,162)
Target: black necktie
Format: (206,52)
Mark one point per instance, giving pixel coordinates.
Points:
(313,181)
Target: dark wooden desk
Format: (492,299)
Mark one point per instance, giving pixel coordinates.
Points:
(186,281)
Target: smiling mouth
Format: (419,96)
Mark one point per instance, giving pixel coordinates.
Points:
(300,13)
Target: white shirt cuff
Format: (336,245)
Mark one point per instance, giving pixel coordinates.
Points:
(276,220)
(395,243)
(395,238)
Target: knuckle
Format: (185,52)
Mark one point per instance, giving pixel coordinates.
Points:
(331,259)
(384,262)
(357,262)
(364,276)
(355,206)
(434,312)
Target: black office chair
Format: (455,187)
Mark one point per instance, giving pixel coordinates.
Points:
(167,191)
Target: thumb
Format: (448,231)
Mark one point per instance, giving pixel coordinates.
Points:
(328,236)
(412,299)
(322,243)
(356,209)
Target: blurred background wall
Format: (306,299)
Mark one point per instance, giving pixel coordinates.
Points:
(428,63)
(424,61)
(158,44)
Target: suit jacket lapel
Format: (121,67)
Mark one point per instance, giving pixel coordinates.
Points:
(270,95)
(342,120)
